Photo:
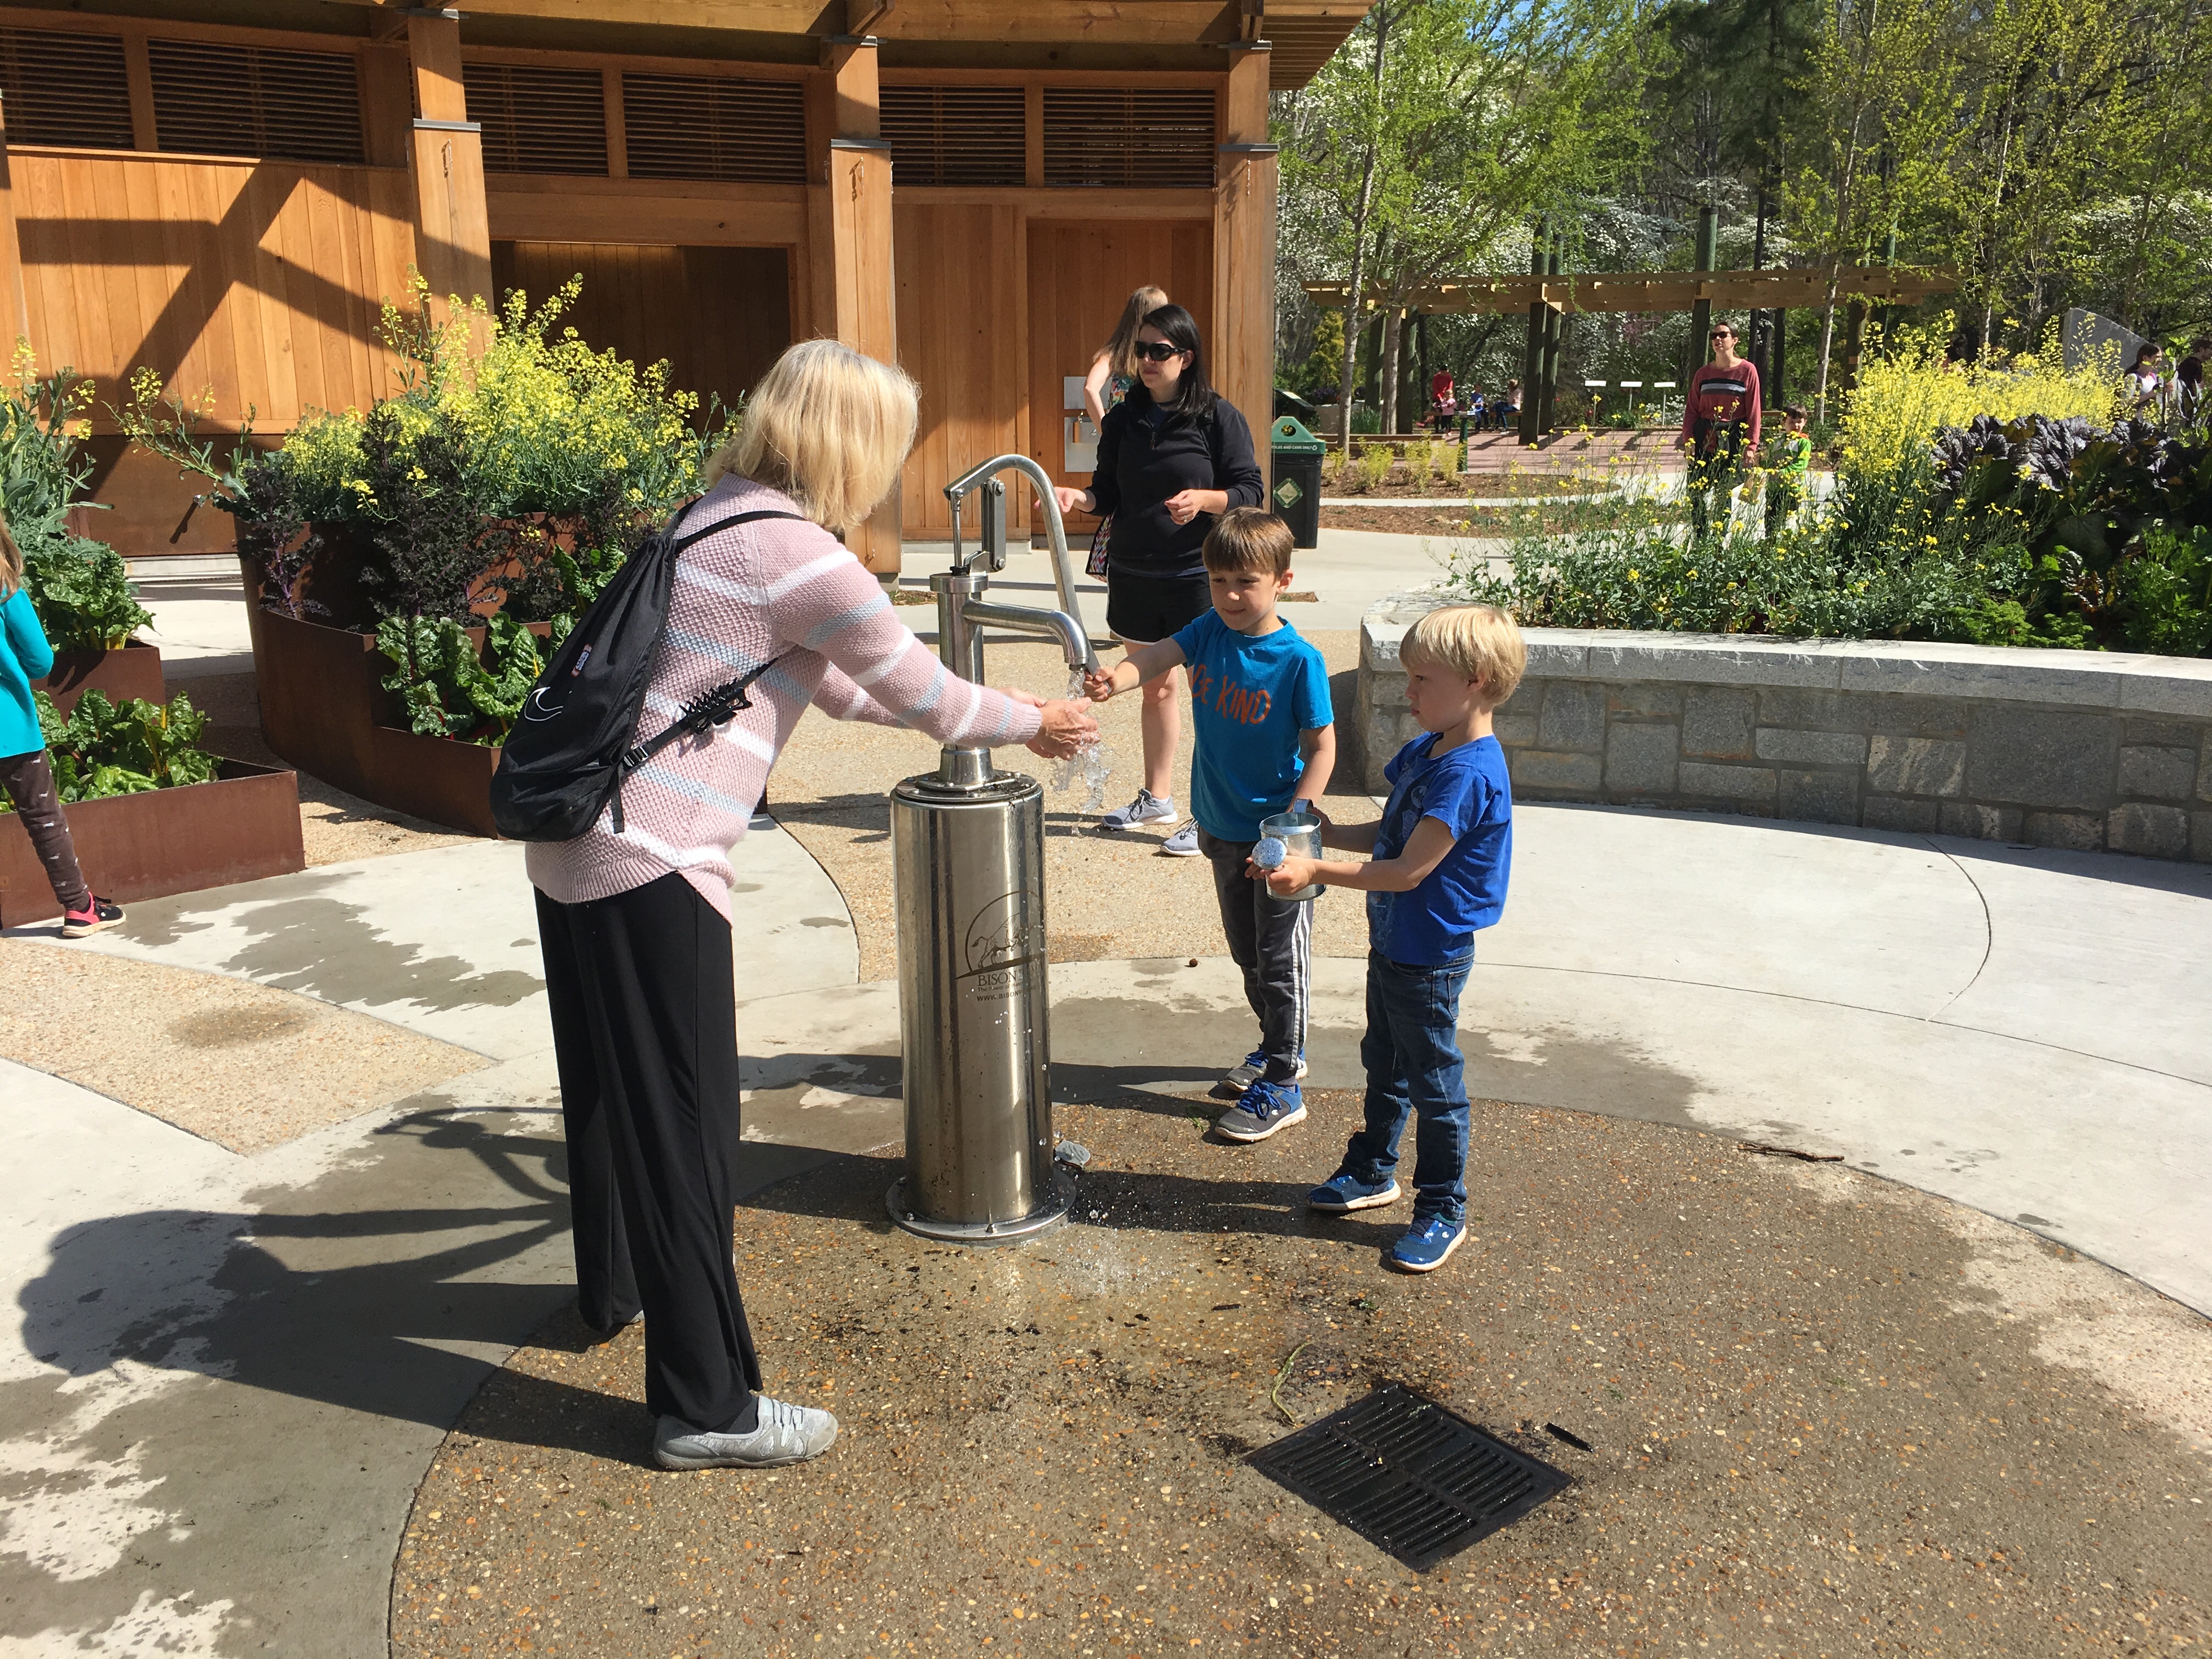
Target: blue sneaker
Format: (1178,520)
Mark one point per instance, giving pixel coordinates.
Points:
(1261,1110)
(1246,1073)
(1428,1243)
(1343,1192)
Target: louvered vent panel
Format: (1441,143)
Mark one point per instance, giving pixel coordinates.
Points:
(537,119)
(1150,140)
(65,89)
(955,134)
(223,99)
(698,126)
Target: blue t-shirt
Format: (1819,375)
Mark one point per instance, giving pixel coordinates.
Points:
(1249,698)
(1468,791)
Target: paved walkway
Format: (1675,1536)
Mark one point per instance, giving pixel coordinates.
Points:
(230,1372)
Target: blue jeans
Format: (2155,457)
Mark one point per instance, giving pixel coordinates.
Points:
(1410,1052)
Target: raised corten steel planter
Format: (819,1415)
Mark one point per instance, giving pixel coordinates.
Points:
(324,709)
(242,827)
(132,670)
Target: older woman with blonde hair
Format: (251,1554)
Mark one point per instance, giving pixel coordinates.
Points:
(636,923)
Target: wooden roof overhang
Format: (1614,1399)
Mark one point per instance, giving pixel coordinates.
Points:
(1069,34)
(1666,290)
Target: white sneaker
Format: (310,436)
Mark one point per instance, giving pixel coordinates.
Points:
(786,1434)
(1147,808)
(1183,844)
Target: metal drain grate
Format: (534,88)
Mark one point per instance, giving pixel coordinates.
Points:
(1409,1476)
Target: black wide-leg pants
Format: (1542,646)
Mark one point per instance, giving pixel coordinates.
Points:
(645,1038)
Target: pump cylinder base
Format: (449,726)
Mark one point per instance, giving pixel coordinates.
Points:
(1038,1221)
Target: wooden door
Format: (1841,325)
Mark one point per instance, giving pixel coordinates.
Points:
(1080,277)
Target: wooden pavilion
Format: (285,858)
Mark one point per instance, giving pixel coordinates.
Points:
(227,190)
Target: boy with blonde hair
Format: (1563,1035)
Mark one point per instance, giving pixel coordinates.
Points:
(1266,741)
(1441,856)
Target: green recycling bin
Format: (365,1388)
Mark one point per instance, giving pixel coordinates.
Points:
(1298,479)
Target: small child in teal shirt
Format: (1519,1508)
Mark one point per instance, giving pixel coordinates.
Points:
(1265,739)
(1441,858)
(24,772)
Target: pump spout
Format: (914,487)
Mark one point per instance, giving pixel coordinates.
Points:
(1074,645)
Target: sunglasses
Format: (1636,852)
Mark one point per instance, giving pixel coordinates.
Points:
(1724,334)
(1156,351)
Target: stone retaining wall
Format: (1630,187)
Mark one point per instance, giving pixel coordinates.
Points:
(2086,750)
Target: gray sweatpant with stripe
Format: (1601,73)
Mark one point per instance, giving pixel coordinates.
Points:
(1272,943)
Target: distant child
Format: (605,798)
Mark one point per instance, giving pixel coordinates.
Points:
(1791,457)
(1441,856)
(24,772)
(1265,742)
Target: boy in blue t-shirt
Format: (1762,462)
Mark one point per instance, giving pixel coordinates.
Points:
(1442,854)
(1265,738)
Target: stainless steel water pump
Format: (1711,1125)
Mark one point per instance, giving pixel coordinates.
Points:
(983,1163)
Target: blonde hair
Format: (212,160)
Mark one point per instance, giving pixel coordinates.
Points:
(11,560)
(1475,641)
(827,426)
(1120,350)
(1248,538)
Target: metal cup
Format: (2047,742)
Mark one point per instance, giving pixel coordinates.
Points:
(1301,839)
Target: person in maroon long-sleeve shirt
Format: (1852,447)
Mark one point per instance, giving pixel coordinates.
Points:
(1720,427)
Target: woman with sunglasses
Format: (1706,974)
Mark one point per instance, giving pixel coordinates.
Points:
(1173,456)
(1720,427)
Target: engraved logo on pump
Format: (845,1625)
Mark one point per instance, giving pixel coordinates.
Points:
(996,947)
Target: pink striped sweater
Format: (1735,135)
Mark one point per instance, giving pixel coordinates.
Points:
(778,589)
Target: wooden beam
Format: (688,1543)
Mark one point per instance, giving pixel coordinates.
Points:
(452,228)
(650,212)
(138,71)
(14,307)
(1014,22)
(854,293)
(1244,222)
(1661,290)
(611,95)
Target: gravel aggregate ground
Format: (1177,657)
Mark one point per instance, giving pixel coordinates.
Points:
(246,1066)
(1826,1416)
(1106,895)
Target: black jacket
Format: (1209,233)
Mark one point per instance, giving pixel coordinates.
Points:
(1140,467)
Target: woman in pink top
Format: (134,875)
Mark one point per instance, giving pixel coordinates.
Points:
(1720,427)
(635,923)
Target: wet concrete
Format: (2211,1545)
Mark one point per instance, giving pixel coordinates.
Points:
(1825,1414)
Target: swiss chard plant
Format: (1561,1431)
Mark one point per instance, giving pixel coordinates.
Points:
(450,688)
(103,748)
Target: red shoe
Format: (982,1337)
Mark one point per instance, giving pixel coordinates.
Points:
(95,916)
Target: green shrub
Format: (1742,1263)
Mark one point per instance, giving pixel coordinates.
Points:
(1374,464)
(450,688)
(104,748)
(80,588)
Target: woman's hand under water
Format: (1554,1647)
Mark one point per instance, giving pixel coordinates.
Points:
(1067,726)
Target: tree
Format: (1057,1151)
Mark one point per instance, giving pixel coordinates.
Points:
(1425,147)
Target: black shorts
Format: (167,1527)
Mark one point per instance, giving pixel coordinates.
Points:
(1144,610)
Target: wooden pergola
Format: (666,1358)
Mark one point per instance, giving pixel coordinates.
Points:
(1664,290)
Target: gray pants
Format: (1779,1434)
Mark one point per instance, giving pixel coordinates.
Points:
(30,782)
(1272,943)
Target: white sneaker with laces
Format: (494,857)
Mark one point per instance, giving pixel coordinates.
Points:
(1183,844)
(786,1434)
(1147,808)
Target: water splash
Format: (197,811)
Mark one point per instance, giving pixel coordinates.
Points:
(1091,763)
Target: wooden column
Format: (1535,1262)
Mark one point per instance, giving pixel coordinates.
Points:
(453,229)
(1701,312)
(1539,247)
(1248,175)
(849,238)
(14,307)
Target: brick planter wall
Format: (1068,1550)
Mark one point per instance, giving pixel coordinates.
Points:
(2086,750)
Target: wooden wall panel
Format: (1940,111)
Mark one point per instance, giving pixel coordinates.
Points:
(719,315)
(963,336)
(260,282)
(1080,275)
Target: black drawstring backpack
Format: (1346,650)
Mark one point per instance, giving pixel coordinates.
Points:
(565,759)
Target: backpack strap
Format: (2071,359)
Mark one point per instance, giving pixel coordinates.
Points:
(716,707)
